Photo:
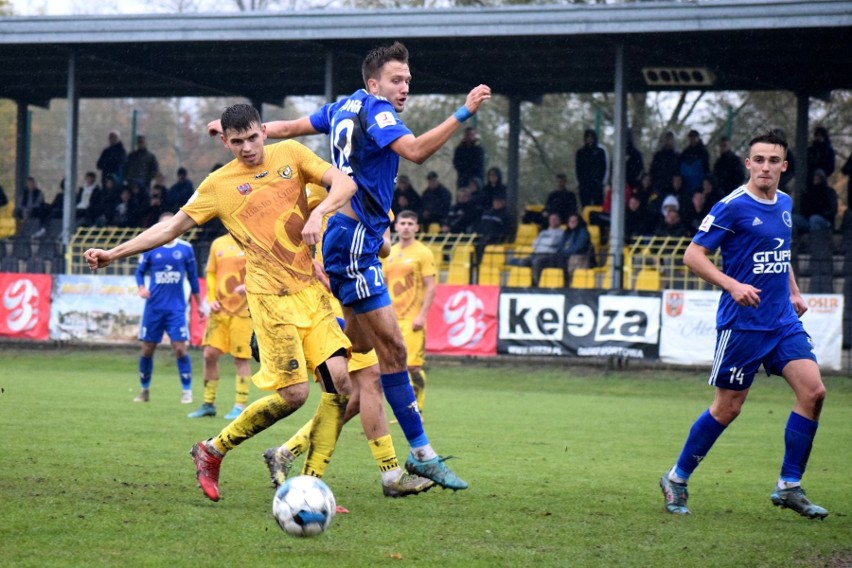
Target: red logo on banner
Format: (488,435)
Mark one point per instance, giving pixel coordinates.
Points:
(674,304)
(463,321)
(26,306)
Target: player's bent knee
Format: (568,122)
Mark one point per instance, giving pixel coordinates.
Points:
(294,395)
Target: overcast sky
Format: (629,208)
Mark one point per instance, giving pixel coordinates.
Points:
(65,7)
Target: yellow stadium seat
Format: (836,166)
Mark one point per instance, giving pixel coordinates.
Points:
(438,255)
(648,279)
(527,232)
(462,254)
(583,278)
(594,235)
(489,275)
(552,278)
(458,274)
(519,277)
(494,255)
(588,210)
(433,228)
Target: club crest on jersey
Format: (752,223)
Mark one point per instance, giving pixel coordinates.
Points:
(244,189)
(788,220)
(706,223)
(286,172)
(385,119)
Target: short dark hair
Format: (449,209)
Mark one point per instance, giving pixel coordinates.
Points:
(239,118)
(772,137)
(407,214)
(376,59)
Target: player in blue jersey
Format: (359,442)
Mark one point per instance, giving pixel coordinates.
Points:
(757,323)
(167,267)
(367,139)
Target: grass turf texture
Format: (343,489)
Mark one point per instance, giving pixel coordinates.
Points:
(563,464)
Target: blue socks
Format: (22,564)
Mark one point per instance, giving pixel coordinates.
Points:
(702,436)
(400,396)
(184,365)
(798,441)
(146,367)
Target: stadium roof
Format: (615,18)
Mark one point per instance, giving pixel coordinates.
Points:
(523,51)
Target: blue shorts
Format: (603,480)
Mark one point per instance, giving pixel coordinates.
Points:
(739,354)
(155,322)
(351,259)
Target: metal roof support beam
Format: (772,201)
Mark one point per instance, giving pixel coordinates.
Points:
(803,105)
(72,122)
(22,150)
(616,214)
(512,160)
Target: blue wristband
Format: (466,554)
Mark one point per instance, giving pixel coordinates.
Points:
(462,114)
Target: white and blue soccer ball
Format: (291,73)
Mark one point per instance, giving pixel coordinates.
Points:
(304,506)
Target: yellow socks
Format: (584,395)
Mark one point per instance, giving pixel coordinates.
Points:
(301,440)
(243,384)
(327,422)
(384,453)
(257,417)
(210,388)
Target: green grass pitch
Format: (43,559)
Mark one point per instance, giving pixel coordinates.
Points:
(563,463)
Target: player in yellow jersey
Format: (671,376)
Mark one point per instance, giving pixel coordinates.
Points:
(410,277)
(260,197)
(368,400)
(229,327)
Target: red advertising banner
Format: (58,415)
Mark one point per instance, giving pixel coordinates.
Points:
(25,308)
(197,324)
(463,321)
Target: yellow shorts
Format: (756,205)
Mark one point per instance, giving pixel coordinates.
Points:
(360,361)
(295,333)
(229,334)
(415,343)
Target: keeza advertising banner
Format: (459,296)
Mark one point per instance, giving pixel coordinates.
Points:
(98,309)
(578,323)
(463,321)
(25,309)
(689,327)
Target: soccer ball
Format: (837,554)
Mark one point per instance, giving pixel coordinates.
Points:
(304,506)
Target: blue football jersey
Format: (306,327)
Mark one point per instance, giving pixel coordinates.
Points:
(167,266)
(754,236)
(361,127)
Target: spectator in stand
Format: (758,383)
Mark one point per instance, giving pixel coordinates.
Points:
(665,164)
(55,208)
(110,198)
(494,226)
(180,192)
(603,218)
(645,189)
(405,197)
(695,211)
(676,188)
(113,158)
(728,169)
(462,215)
(819,206)
(546,244)
(89,200)
(637,220)
(635,164)
(32,202)
(560,201)
(139,195)
(469,158)
(694,162)
(477,197)
(591,169)
(574,252)
(141,164)
(712,194)
(154,208)
(671,225)
(126,213)
(493,184)
(435,201)
(821,154)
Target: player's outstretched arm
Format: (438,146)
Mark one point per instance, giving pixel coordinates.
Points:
(341,190)
(696,258)
(418,149)
(159,234)
(285,129)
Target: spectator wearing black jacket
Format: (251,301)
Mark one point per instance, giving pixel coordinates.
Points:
(728,169)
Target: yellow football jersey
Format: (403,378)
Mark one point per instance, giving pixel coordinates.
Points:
(226,269)
(265,208)
(404,271)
